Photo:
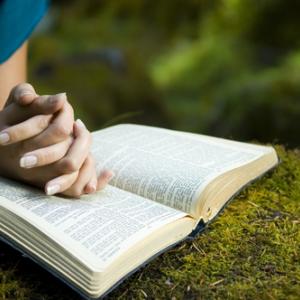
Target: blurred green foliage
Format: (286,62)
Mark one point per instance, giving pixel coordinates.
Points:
(229,68)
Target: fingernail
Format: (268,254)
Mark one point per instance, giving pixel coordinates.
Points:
(28,161)
(80,123)
(4,138)
(52,189)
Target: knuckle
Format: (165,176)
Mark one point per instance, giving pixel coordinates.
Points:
(53,103)
(73,191)
(76,192)
(69,110)
(42,122)
(68,165)
(69,106)
(13,135)
(89,164)
(18,90)
(60,131)
(90,160)
(44,157)
(86,138)
(39,103)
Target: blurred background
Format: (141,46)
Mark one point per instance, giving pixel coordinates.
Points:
(228,68)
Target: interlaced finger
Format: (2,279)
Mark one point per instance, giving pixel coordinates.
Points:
(46,156)
(24,130)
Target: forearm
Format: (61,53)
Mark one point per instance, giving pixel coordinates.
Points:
(12,72)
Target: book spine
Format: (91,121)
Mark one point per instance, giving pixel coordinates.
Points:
(199,228)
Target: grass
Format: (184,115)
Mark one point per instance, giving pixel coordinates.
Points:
(251,251)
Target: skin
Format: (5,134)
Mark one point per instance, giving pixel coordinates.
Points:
(40,143)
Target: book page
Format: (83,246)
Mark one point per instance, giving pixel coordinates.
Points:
(97,228)
(167,166)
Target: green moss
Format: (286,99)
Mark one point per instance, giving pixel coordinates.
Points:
(251,251)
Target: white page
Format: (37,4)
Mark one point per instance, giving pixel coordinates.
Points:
(96,229)
(167,166)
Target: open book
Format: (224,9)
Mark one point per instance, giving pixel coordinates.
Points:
(168,185)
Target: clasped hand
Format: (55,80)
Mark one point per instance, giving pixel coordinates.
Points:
(40,144)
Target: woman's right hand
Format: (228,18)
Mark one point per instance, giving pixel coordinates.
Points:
(36,145)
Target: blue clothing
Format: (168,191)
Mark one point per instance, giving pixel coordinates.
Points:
(18,19)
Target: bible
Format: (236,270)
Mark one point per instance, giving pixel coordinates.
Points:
(168,186)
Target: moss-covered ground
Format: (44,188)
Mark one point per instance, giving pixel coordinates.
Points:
(251,251)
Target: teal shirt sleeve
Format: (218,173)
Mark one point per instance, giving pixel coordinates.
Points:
(18,19)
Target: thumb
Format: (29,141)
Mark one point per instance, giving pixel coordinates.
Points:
(22,94)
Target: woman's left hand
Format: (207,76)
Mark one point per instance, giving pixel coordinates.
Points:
(38,148)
